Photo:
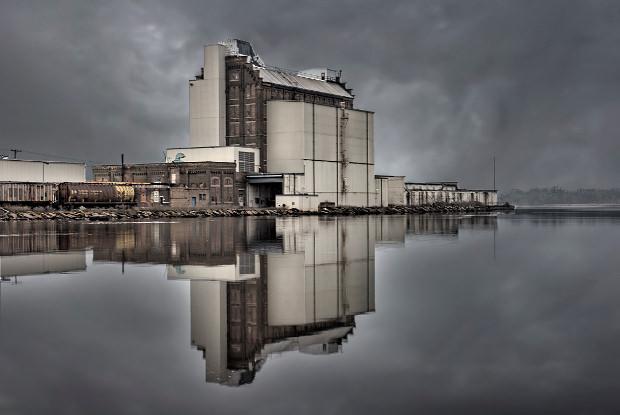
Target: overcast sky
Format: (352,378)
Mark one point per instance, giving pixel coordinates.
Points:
(535,83)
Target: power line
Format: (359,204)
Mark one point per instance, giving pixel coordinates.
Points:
(51,155)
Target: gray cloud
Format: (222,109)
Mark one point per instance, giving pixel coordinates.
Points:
(452,82)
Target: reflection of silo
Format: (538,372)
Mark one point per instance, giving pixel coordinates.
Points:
(332,277)
(304,299)
(208,324)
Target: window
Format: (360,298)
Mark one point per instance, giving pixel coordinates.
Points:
(234,75)
(250,110)
(234,111)
(215,181)
(202,196)
(228,182)
(247,264)
(246,161)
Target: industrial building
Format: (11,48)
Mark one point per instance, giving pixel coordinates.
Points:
(246,158)
(228,98)
(200,185)
(314,147)
(260,136)
(417,194)
(36,171)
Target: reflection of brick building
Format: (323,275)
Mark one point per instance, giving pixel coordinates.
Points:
(182,243)
(27,237)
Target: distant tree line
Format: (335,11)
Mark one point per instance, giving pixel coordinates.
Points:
(557,195)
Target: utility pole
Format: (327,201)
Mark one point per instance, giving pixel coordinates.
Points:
(122,167)
(15,151)
(494,188)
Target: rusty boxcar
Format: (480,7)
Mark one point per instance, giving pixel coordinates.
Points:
(25,193)
(95,194)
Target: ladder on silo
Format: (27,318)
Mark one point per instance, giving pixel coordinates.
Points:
(344,120)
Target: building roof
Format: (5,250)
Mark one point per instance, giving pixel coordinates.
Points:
(280,77)
(232,146)
(448,183)
(45,161)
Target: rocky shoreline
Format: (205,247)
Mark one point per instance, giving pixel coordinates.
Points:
(117,214)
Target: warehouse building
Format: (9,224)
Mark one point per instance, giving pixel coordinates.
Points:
(37,171)
(417,194)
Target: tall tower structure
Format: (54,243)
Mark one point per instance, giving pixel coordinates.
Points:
(207,100)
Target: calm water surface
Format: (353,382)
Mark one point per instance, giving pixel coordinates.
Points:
(506,314)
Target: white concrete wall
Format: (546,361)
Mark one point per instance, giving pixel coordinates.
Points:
(41,171)
(381,189)
(309,139)
(207,101)
(228,154)
(390,190)
(396,190)
(302,202)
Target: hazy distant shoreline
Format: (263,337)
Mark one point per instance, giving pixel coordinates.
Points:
(559,196)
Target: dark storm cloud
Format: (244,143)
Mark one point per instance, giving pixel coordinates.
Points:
(452,82)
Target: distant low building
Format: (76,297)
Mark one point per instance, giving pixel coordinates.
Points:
(39,171)
(417,194)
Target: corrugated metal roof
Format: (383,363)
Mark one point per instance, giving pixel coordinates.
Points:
(276,77)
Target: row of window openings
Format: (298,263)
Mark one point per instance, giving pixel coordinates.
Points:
(250,92)
(203,197)
(215,181)
(250,128)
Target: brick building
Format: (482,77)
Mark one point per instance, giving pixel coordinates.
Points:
(201,184)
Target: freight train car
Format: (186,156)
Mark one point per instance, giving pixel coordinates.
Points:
(95,194)
(30,194)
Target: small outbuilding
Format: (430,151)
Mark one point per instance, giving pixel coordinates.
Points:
(390,190)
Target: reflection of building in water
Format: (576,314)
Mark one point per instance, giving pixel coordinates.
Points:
(41,236)
(391,230)
(447,225)
(304,298)
(186,245)
(257,285)
(42,263)
(33,248)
